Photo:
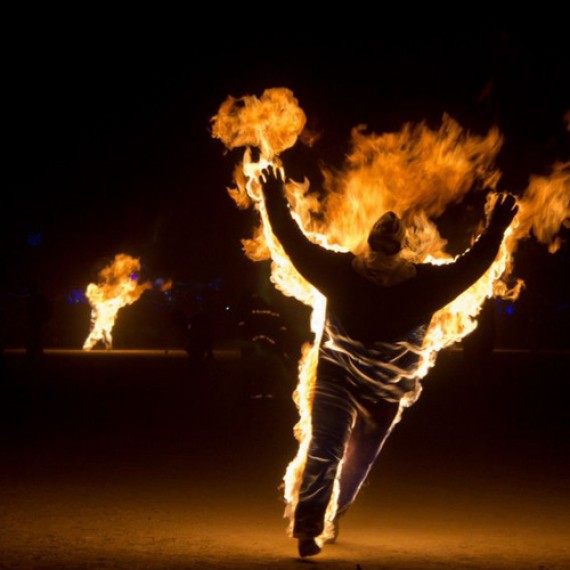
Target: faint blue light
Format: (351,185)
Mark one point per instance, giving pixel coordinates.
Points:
(76,296)
(216,284)
(34,239)
(134,276)
(505,307)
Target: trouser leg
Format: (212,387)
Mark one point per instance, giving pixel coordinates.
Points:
(368,435)
(333,414)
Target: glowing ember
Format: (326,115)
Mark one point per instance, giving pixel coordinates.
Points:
(417,173)
(118,286)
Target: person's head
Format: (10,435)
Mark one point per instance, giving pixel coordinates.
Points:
(387,235)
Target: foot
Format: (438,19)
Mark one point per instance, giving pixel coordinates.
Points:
(335,529)
(308,547)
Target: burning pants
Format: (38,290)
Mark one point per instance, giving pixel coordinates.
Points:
(345,426)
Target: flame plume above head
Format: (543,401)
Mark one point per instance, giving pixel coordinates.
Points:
(417,173)
(118,286)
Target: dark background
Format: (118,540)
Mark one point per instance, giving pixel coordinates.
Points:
(145,460)
(109,148)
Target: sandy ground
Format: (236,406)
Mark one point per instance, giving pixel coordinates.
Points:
(139,462)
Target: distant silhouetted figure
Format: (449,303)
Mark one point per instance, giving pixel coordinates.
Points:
(262,333)
(200,337)
(38,312)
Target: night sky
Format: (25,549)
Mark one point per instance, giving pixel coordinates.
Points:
(109,148)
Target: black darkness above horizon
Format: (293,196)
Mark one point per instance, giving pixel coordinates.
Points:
(109,147)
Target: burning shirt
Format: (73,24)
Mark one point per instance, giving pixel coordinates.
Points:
(384,370)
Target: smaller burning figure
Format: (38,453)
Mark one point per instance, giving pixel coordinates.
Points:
(379,307)
(118,286)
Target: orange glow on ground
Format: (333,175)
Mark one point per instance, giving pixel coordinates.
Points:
(133,461)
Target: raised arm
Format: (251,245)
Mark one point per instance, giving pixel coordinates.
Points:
(444,283)
(316,264)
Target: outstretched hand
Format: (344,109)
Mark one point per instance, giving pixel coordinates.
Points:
(272,180)
(504,210)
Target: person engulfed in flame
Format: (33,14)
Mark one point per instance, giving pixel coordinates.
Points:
(382,264)
(378,309)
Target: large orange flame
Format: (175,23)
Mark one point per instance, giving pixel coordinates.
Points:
(417,173)
(118,286)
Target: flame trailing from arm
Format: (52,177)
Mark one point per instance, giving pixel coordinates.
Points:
(276,122)
(118,286)
(417,173)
